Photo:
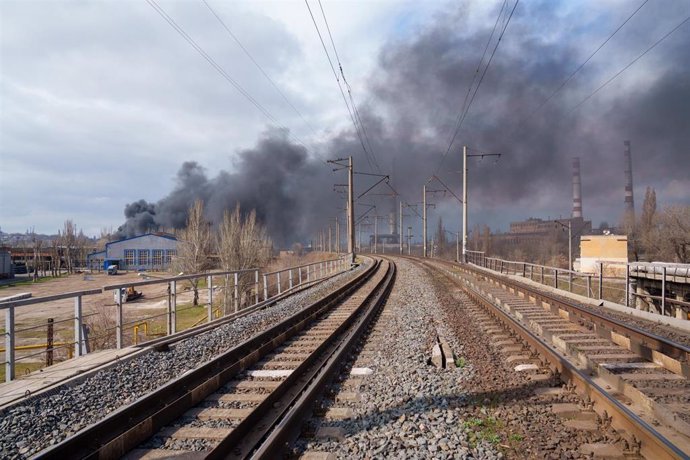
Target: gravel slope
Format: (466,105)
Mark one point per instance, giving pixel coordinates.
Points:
(28,427)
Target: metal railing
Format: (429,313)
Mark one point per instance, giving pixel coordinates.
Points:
(615,289)
(241,289)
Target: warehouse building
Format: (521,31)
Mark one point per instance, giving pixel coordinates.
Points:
(152,251)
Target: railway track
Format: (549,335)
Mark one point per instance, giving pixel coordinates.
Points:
(249,400)
(636,381)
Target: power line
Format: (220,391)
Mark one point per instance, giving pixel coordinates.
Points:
(342,93)
(570,77)
(476,72)
(474,94)
(349,89)
(249,55)
(220,69)
(629,64)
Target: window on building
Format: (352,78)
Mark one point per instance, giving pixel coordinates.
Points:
(129,257)
(169,254)
(157,257)
(143,257)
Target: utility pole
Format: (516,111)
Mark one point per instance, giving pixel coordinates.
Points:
(464,195)
(464,204)
(337,235)
(400,228)
(424,221)
(409,241)
(350,211)
(330,238)
(376,233)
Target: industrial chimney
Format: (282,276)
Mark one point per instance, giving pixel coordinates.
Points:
(629,202)
(577,189)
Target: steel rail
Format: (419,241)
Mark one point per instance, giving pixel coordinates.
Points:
(288,428)
(653,444)
(643,343)
(131,425)
(303,385)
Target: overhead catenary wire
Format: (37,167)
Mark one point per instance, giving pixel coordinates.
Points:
(349,89)
(572,75)
(342,93)
(261,69)
(476,89)
(476,73)
(630,64)
(220,69)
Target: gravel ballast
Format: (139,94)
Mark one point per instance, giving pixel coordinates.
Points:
(37,423)
(408,408)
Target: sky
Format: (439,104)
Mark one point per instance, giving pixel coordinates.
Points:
(109,117)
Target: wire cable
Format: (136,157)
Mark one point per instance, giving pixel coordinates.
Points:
(261,69)
(342,93)
(570,77)
(629,64)
(349,88)
(486,68)
(220,69)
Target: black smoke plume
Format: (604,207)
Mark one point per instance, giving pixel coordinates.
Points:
(415,94)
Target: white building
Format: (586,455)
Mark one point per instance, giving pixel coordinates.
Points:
(152,251)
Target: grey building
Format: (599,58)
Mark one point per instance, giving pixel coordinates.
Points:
(152,251)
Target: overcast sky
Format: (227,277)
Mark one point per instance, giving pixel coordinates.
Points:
(103,102)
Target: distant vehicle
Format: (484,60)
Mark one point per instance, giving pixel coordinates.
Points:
(112,269)
(128,294)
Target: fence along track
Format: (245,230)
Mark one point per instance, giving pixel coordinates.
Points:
(130,426)
(653,444)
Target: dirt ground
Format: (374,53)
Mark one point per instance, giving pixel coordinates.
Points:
(31,320)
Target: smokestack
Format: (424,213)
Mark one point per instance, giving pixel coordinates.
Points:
(629,202)
(577,189)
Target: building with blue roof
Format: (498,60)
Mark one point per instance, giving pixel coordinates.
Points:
(151,251)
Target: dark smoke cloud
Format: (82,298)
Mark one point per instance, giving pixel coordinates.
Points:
(273,178)
(411,105)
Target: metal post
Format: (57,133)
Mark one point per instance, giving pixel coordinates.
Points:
(457,246)
(320,269)
(542,274)
(409,245)
(9,344)
(464,204)
(589,286)
(601,280)
(351,212)
(256,286)
(265,287)
(424,221)
(330,238)
(555,278)
(299,275)
(78,331)
(308,273)
(400,229)
(278,279)
(290,278)
(209,308)
(376,234)
(173,322)
(237,293)
(524,270)
(663,291)
(169,315)
(118,320)
(49,341)
(627,285)
(570,255)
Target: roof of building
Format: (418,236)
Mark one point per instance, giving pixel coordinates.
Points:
(158,234)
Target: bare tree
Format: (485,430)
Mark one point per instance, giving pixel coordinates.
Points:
(69,241)
(194,246)
(242,243)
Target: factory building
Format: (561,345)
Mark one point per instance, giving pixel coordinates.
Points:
(152,251)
